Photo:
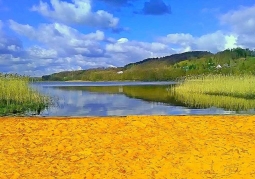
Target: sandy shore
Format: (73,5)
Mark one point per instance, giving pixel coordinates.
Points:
(128,147)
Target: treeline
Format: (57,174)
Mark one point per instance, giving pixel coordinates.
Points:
(233,61)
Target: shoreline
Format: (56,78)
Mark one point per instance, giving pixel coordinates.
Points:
(110,81)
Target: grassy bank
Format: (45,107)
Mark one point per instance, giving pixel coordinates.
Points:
(133,147)
(17,97)
(229,92)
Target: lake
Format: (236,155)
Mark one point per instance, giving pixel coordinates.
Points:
(117,99)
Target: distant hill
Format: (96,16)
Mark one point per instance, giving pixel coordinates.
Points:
(167,60)
(234,61)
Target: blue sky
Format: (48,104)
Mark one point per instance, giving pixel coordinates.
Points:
(39,37)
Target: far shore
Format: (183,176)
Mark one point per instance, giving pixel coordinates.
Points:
(101,81)
(73,81)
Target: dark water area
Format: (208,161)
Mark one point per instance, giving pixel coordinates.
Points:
(116,99)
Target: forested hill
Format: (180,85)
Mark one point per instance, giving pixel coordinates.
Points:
(172,58)
(234,61)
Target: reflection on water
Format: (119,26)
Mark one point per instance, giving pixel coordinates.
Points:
(116,99)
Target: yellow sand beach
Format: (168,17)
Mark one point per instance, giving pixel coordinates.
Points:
(175,147)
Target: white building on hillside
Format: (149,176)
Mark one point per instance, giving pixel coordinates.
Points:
(218,66)
(120,72)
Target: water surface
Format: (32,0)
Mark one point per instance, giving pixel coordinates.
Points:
(116,99)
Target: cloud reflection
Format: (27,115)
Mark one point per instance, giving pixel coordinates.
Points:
(86,103)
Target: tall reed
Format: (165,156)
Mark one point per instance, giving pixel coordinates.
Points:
(229,92)
(16,96)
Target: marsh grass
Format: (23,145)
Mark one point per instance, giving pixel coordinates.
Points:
(228,92)
(17,97)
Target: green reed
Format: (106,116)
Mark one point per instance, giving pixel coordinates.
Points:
(228,92)
(16,96)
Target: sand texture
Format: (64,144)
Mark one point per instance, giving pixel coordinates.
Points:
(175,147)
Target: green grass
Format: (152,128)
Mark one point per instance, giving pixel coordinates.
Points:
(17,97)
(228,92)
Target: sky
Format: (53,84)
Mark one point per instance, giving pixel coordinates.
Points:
(41,37)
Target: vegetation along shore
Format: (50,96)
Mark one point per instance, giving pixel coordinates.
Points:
(17,97)
(232,92)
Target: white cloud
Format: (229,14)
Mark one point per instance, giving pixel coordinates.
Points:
(9,44)
(213,42)
(242,23)
(40,53)
(38,64)
(124,45)
(122,40)
(64,39)
(126,51)
(10,51)
(178,38)
(231,41)
(77,12)
(65,48)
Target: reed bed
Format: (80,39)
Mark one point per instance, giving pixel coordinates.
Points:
(16,96)
(228,92)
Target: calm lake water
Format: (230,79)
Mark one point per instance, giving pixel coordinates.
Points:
(115,99)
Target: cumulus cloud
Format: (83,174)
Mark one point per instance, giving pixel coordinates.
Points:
(15,59)
(78,50)
(41,53)
(242,28)
(127,51)
(178,38)
(38,61)
(213,42)
(65,48)
(216,41)
(156,7)
(242,23)
(122,40)
(9,44)
(11,51)
(77,12)
(64,39)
